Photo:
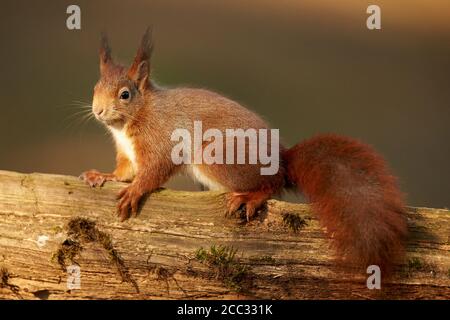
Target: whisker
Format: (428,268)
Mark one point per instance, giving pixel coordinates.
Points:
(81,102)
(128,116)
(81,105)
(77,114)
(74,106)
(85,119)
(78,118)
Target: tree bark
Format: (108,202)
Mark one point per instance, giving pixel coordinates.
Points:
(51,222)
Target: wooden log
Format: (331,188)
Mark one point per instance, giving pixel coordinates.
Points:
(50,222)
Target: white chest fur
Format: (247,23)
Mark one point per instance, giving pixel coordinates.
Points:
(125,143)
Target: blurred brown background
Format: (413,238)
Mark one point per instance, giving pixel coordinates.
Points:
(306,66)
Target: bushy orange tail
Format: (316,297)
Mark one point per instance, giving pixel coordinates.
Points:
(355,196)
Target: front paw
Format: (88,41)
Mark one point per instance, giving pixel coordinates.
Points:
(128,204)
(94,178)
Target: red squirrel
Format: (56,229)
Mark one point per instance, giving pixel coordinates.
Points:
(347,182)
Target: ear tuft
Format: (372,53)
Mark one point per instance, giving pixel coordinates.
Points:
(139,70)
(104,52)
(145,49)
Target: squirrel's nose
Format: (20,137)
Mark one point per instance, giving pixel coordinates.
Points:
(98,112)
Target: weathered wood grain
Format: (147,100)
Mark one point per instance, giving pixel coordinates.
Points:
(154,255)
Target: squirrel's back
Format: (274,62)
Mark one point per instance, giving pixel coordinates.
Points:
(180,107)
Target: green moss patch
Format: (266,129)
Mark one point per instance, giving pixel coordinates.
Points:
(226,267)
(266,260)
(416,264)
(293,221)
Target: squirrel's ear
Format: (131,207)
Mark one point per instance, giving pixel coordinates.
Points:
(141,76)
(105,53)
(140,69)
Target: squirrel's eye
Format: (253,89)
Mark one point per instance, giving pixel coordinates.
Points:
(125,95)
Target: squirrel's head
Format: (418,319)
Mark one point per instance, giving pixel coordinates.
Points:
(120,91)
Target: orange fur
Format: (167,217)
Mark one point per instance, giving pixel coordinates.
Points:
(347,182)
(124,170)
(355,196)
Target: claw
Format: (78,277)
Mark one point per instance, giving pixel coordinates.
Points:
(252,201)
(128,204)
(234,202)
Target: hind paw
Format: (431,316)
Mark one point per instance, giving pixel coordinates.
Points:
(251,200)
